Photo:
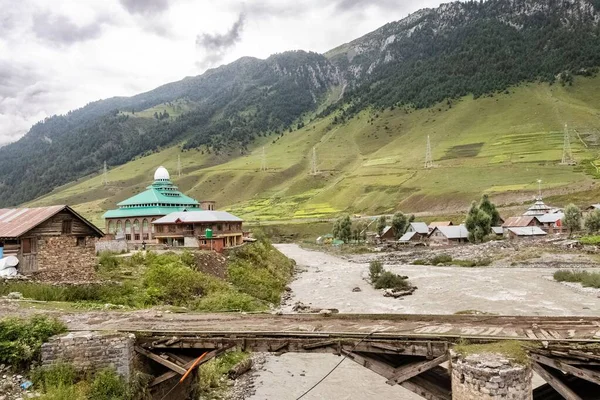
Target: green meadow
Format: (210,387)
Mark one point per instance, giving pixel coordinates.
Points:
(500,144)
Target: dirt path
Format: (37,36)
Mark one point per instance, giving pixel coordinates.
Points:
(327,281)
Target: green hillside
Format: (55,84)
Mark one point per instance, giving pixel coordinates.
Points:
(500,144)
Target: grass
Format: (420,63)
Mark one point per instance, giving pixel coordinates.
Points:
(256,277)
(591,240)
(511,349)
(587,279)
(446,260)
(500,145)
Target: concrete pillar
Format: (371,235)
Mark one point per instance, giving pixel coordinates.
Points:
(489,376)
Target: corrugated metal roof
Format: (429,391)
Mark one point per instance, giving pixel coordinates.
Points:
(385,230)
(407,236)
(498,230)
(154,195)
(440,223)
(453,232)
(518,221)
(527,231)
(550,218)
(141,212)
(15,222)
(420,227)
(198,216)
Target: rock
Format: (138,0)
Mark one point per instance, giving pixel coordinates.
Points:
(14,296)
(357,289)
(325,312)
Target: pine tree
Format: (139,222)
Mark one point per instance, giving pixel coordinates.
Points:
(478,223)
(490,209)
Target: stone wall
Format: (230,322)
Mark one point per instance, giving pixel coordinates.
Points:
(489,376)
(60,259)
(92,351)
(114,246)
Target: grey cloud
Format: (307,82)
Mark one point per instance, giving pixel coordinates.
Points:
(145,7)
(60,29)
(351,5)
(216,45)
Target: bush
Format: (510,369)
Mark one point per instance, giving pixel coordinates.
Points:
(72,392)
(107,262)
(21,339)
(212,374)
(172,283)
(108,385)
(480,262)
(389,280)
(420,261)
(441,259)
(587,279)
(375,270)
(230,300)
(591,240)
(54,376)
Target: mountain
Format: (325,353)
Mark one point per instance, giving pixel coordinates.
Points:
(433,57)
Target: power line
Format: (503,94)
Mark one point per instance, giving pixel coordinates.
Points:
(336,366)
(567,157)
(313,169)
(263,160)
(428,156)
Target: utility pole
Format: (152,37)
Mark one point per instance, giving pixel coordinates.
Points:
(567,157)
(179,165)
(428,156)
(105,175)
(263,158)
(313,169)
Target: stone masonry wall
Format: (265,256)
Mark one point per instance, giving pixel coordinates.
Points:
(489,377)
(92,351)
(114,246)
(61,260)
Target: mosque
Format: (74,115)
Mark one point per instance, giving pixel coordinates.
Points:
(134,217)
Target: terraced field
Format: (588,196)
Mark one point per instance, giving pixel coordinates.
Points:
(374,163)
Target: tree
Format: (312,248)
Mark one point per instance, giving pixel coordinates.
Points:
(572,218)
(399,223)
(490,209)
(478,223)
(359,231)
(342,229)
(381,224)
(592,222)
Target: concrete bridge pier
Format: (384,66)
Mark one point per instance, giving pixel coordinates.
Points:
(489,376)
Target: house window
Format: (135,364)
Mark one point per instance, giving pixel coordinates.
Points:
(119,226)
(137,236)
(111,227)
(153,219)
(158,228)
(67,226)
(81,242)
(136,226)
(128,227)
(145,236)
(219,227)
(145,226)
(127,236)
(172,229)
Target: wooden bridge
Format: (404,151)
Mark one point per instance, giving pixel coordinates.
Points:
(408,350)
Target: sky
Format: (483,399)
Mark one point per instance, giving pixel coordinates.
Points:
(59,55)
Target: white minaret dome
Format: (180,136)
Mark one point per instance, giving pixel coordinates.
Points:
(161,174)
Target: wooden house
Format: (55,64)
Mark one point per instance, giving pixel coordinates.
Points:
(525,232)
(448,235)
(388,234)
(552,223)
(208,230)
(52,238)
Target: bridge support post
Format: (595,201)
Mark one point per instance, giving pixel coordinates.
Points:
(489,376)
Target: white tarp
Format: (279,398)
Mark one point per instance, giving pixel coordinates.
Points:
(8,266)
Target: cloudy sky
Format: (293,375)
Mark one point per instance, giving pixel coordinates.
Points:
(59,55)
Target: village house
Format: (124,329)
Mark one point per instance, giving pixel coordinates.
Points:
(133,218)
(525,232)
(51,240)
(388,234)
(551,223)
(447,235)
(588,210)
(417,232)
(208,230)
(519,222)
(435,224)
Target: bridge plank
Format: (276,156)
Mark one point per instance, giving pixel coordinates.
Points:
(172,366)
(406,372)
(556,383)
(171,374)
(588,375)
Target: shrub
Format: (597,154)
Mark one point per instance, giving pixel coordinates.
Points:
(229,300)
(21,339)
(62,392)
(441,259)
(172,283)
(587,279)
(107,262)
(419,261)
(375,270)
(54,376)
(592,240)
(213,372)
(107,384)
(389,280)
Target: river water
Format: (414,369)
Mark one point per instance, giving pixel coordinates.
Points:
(327,281)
